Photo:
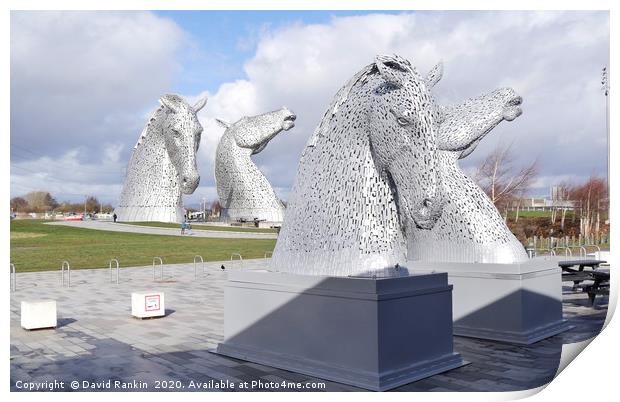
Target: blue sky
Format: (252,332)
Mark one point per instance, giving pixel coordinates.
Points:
(84,83)
(226,39)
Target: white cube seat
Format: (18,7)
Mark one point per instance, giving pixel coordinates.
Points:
(37,314)
(147,304)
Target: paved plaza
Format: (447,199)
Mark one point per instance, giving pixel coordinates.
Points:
(98,340)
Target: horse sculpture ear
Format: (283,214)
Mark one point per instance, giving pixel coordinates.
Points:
(434,75)
(170,101)
(222,123)
(394,69)
(200,104)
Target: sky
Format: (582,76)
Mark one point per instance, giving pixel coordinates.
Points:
(83,84)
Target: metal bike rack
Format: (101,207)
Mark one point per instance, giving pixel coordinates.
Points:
(13,278)
(583,252)
(585,247)
(270,254)
(161,264)
(239,255)
(196,257)
(566,253)
(115,261)
(62,274)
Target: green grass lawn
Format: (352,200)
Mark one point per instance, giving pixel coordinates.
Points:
(203,227)
(39,247)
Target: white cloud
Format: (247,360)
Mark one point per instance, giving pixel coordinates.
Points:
(68,178)
(552,59)
(80,83)
(82,77)
(87,79)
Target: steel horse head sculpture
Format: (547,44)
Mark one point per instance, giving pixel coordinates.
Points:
(367,175)
(244,192)
(470,229)
(163,164)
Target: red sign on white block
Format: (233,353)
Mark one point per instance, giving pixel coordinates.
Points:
(147,304)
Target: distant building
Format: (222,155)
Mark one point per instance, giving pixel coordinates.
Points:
(558,199)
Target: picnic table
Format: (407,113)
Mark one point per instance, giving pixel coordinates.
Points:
(574,270)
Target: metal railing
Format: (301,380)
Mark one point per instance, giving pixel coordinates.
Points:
(62,274)
(115,261)
(13,278)
(196,257)
(161,264)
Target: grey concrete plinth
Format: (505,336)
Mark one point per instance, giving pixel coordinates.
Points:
(516,303)
(372,333)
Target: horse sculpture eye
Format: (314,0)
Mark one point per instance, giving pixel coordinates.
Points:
(403,121)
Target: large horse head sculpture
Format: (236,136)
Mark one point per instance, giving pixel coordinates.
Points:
(244,192)
(163,164)
(367,173)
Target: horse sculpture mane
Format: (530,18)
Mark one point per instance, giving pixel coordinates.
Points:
(162,166)
(366,173)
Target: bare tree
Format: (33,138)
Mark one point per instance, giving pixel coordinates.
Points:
(216,208)
(40,201)
(593,198)
(18,204)
(501,180)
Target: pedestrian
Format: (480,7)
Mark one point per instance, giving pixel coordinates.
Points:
(182,228)
(114,216)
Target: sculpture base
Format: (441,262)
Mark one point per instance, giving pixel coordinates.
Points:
(516,303)
(375,334)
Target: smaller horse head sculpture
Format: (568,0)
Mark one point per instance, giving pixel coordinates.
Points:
(163,164)
(244,192)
